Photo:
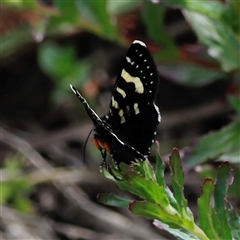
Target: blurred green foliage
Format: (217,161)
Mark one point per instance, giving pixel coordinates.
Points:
(221,145)
(216,24)
(61,64)
(15,189)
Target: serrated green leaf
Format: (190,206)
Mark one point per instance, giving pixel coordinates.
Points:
(205,210)
(234,221)
(178,183)
(176,167)
(179,233)
(153,211)
(213,145)
(148,189)
(113,200)
(148,170)
(224,179)
(159,170)
(234,188)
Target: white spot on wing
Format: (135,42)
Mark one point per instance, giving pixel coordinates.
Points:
(139,42)
(128,59)
(136,80)
(157,109)
(136,108)
(121,113)
(122,92)
(114,103)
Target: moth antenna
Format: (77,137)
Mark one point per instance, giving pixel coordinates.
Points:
(85,146)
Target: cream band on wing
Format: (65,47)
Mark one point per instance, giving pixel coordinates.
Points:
(121,92)
(136,80)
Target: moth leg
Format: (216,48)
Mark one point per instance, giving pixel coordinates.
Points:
(104,156)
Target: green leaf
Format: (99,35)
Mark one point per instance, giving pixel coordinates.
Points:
(21,4)
(113,200)
(210,9)
(24,204)
(206,211)
(179,233)
(15,191)
(159,172)
(189,74)
(13,41)
(148,170)
(97,11)
(153,17)
(55,60)
(68,9)
(235,102)
(215,26)
(233,9)
(61,63)
(121,7)
(153,211)
(213,217)
(224,179)
(178,184)
(234,221)
(147,189)
(234,188)
(221,41)
(214,145)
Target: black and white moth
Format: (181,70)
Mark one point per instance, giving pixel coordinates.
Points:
(127,132)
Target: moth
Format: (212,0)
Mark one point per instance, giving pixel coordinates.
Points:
(128,130)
